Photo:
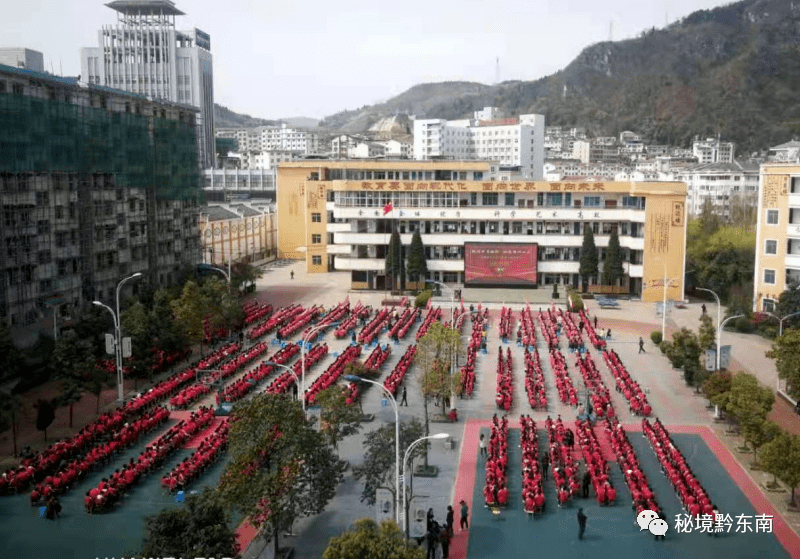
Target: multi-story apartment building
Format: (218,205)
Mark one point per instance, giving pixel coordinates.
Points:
(785,153)
(339,215)
(366,150)
(509,142)
(222,185)
(267,138)
(719,183)
(22,58)
(712,150)
(95,184)
(777,233)
(235,232)
(144,53)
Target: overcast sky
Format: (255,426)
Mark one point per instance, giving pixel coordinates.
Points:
(279,58)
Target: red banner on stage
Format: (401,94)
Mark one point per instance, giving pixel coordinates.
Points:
(500,264)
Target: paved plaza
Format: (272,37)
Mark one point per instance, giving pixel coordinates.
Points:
(611,531)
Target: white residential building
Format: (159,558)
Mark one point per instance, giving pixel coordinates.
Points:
(22,58)
(265,138)
(143,53)
(366,150)
(509,142)
(720,183)
(396,148)
(785,153)
(712,150)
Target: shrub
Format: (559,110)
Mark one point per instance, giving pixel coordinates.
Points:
(664,346)
(423,298)
(656,337)
(577,301)
(744,325)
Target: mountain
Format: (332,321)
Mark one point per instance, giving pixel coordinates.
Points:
(226,118)
(733,71)
(301,121)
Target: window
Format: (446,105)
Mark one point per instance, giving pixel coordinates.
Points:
(316,260)
(509,198)
(591,201)
(489,199)
(316,239)
(771,247)
(316,218)
(769,277)
(772,217)
(768,305)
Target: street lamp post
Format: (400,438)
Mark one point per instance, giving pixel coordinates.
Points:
(223,272)
(719,318)
(405,459)
(313,330)
(780,320)
(118,334)
(296,378)
(355,378)
(452,296)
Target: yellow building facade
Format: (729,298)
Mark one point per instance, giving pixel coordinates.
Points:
(777,233)
(331,213)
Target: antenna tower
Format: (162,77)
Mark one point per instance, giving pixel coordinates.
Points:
(497,71)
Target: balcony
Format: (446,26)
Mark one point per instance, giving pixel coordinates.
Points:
(366,264)
(339,227)
(340,249)
(793,230)
(792,261)
(496,213)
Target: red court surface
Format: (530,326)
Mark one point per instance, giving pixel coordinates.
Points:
(467,471)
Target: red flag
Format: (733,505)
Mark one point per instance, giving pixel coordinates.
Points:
(387,208)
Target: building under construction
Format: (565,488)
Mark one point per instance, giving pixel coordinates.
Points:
(95,184)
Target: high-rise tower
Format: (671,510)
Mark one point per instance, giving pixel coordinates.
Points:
(143,53)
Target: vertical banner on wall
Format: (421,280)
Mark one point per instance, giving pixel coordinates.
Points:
(384,505)
(418,517)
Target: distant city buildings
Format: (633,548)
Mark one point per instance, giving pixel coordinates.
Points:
(22,58)
(144,53)
(514,142)
(224,185)
(721,184)
(712,150)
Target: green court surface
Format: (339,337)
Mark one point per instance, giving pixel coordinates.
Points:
(611,531)
(78,535)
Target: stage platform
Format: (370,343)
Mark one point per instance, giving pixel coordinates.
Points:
(539,296)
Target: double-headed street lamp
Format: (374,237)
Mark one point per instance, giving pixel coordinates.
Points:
(223,272)
(355,378)
(296,378)
(405,460)
(780,331)
(720,324)
(118,335)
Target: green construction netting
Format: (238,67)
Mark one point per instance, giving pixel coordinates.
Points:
(40,135)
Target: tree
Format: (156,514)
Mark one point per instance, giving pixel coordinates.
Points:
(395,267)
(781,458)
(789,303)
(45,414)
(10,412)
(167,333)
(377,470)
(10,356)
(367,539)
(96,378)
(417,264)
(280,467)
(71,394)
(435,352)
(224,310)
(749,402)
(339,420)
(786,353)
(707,334)
(136,324)
(717,388)
(199,529)
(684,352)
(190,310)
(243,275)
(612,267)
(588,256)
(759,433)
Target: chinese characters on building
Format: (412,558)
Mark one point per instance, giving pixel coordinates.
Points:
(455,186)
(658,233)
(774,186)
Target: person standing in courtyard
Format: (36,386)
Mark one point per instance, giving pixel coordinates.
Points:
(581,523)
(403,401)
(545,464)
(464,515)
(482,445)
(449,519)
(587,479)
(291,274)
(703,307)
(641,345)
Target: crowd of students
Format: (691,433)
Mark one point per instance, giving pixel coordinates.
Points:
(285,380)
(373,328)
(505,389)
(433,315)
(299,321)
(278,319)
(532,485)
(468,370)
(565,469)
(637,400)
(329,318)
(534,380)
(395,378)
(495,492)
(193,466)
(528,333)
(598,342)
(241,387)
(596,465)
(404,323)
(255,311)
(377,358)
(506,321)
(549,330)
(574,338)
(219,355)
(599,394)
(693,497)
(566,390)
(643,497)
(332,373)
(110,490)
